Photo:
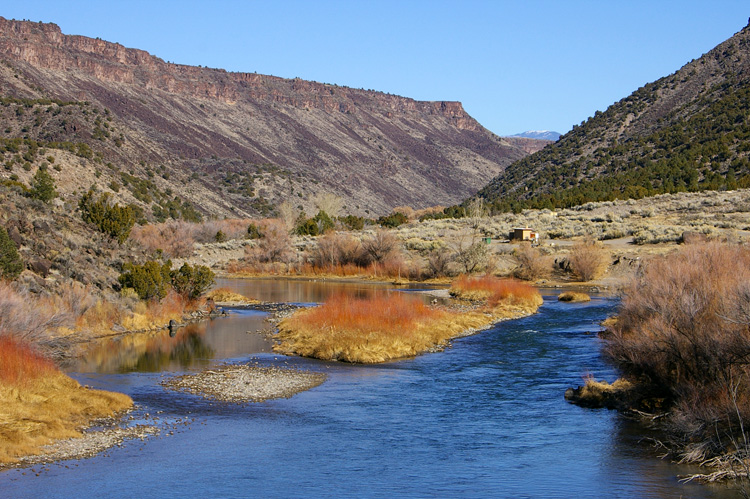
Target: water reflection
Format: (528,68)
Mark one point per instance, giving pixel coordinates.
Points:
(178,348)
(297,291)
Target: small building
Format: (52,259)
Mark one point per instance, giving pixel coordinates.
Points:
(523,234)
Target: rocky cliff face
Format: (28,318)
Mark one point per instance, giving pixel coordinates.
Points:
(373,149)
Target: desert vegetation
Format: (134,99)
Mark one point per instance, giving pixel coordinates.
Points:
(393,326)
(682,337)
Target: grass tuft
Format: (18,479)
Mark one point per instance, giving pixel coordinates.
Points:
(573,297)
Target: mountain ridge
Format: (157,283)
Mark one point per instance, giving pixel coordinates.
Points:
(375,150)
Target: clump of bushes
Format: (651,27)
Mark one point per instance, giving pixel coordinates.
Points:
(253,232)
(112,219)
(154,280)
(43,186)
(319,224)
(683,332)
(588,260)
(393,220)
(190,281)
(532,263)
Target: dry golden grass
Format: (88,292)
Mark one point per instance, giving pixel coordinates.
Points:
(386,327)
(600,393)
(101,318)
(39,404)
(226,295)
(573,296)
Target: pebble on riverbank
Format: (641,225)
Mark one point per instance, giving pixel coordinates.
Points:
(88,445)
(244,383)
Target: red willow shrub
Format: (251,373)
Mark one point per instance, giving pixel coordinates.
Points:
(494,290)
(387,312)
(683,331)
(20,363)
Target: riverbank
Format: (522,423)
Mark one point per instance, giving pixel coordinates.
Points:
(49,408)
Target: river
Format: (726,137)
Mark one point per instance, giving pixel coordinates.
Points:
(484,418)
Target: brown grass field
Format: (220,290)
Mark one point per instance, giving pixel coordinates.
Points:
(393,326)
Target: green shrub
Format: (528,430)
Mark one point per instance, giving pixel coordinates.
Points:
(192,282)
(43,186)
(393,220)
(253,232)
(150,280)
(352,222)
(114,220)
(307,227)
(319,224)
(11,264)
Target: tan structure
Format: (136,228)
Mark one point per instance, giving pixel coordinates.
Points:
(523,234)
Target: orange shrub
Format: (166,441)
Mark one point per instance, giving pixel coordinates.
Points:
(20,363)
(375,329)
(384,327)
(494,290)
(388,312)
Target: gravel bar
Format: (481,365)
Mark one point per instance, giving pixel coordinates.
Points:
(91,443)
(244,383)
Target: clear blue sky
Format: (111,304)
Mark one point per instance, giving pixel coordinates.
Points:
(515,65)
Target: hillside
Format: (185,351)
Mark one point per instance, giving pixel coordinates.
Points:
(233,144)
(685,132)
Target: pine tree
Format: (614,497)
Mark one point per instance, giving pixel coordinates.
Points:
(43,185)
(11,264)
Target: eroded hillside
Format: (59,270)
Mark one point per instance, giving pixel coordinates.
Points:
(237,144)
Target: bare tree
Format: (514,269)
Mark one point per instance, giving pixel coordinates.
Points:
(439,262)
(329,203)
(476,211)
(588,260)
(532,263)
(287,215)
(472,253)
(274,246)
(381,245)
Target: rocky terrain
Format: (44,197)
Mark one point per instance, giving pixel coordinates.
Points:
(234,144)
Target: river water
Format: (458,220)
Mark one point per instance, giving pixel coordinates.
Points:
(485,418)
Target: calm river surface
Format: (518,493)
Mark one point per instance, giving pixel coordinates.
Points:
(485,418)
